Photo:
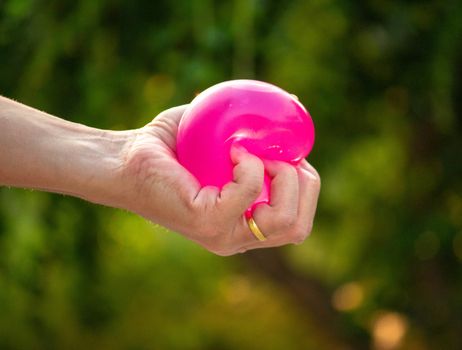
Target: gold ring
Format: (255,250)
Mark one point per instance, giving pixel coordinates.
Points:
(255,230)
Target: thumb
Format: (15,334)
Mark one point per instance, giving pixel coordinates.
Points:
(248,175)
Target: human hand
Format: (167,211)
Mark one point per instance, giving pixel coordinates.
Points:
(164,192)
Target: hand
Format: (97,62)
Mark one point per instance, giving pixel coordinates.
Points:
(166,193)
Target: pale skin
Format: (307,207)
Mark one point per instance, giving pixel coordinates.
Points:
(137,170)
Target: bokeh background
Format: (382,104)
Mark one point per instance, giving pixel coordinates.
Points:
(383,266)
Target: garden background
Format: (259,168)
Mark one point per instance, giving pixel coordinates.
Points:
(383,266)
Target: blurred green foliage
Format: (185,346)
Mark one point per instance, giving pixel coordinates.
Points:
(383,268)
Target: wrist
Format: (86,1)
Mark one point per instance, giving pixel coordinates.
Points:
(99,172)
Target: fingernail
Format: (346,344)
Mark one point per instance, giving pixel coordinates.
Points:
(236,151)
(238,147)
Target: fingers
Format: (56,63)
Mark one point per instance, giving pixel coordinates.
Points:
(248,175)
(228,206)
(277,217)
(284,190)
(310,186)
(281,213)
(288,218)
(277,220)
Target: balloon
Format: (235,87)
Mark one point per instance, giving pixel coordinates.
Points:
(268,121)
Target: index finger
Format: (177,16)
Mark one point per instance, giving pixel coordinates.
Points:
(247,184)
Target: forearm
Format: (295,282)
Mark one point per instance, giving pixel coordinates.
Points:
(43,152)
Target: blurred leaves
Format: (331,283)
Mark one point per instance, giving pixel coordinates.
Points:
(382,80)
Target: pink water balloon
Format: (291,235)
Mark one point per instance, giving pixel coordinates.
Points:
(268,121)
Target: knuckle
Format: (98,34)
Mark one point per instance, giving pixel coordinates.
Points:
(220,250)
(217,242)
(315,180)
(205,200)
(215,250)
(253,189)
(284,171)
(285,220)
(224,253)
(299,236)
(316,174)
(288,169)
(192,208)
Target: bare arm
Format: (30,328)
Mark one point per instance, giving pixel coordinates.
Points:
(43,152)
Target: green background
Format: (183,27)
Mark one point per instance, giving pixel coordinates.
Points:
(383,266)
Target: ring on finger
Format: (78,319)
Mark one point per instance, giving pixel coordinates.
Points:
(255,230)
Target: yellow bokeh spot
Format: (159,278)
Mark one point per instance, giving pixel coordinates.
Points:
(348,297)
(388,330)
